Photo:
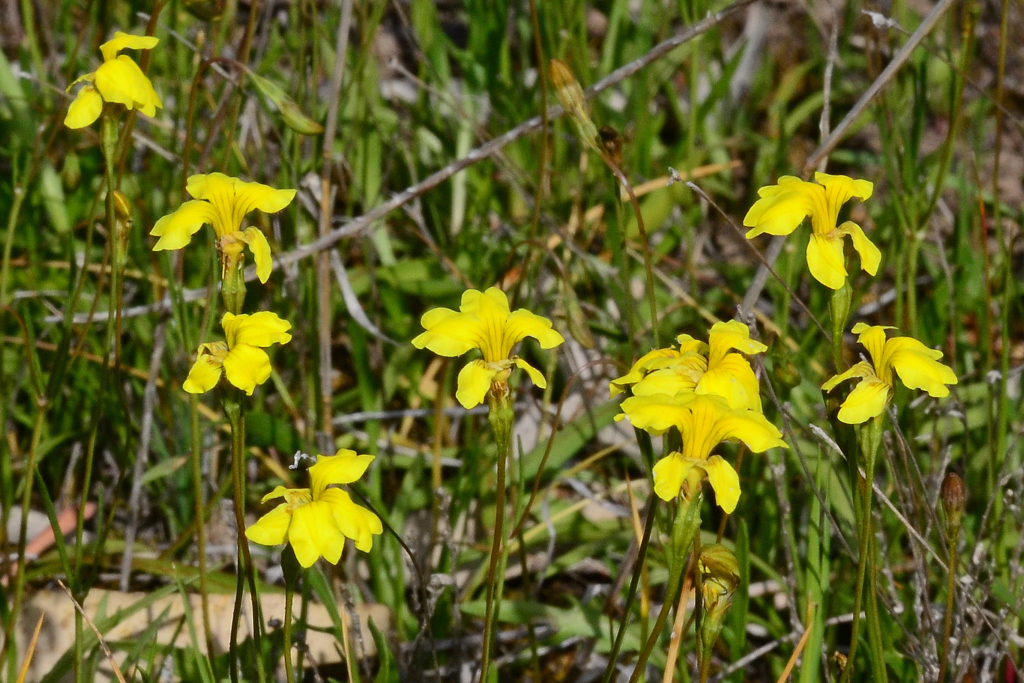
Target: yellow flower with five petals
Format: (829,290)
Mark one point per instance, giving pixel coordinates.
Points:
(119,79)
(240,357)
(316,521)
(696,367)
(485,322)
(222,202)
(783,207)
(704,421)
(916,365)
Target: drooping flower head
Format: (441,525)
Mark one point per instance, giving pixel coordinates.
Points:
(119,80)
(783,207)
(222,202)
(240,357)
(916,365)
(485,322)
(316,521)
(696,367)
(704,421)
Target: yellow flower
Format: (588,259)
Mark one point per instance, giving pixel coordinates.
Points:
(712,368)
(223,202)
(915,363)
(316,521)
(484,322)
(241,357)
(119,79)
(704,421)
(783,207)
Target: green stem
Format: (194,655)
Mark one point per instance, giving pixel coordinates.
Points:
(870,438)
(289,594)
(947,626)
(197,491)
(874,621)
(500,417)
(631,595)
(233,408)
(684,530)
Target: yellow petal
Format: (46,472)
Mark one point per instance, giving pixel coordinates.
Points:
(639,369)
(713,421)
(521,324)
(724,481)
(85,109)
(280,492)
(657,414)
(535,375)
(669,473)
(259,329)
(733,379)
(449,333)
(260,249)
(246,367)
(196,184)
(680,378)
(491,308)
(308,535)
(263,197)
(867,400)
(175,230)
(474,383)
(870,255)
(861,369)
(120,80)
(126,41)
(825,260)
(204,375)
(343,468)
(872,338)
(272,528)
(918,366)
(839,189)
(727,336)
(782,208)
(354,521)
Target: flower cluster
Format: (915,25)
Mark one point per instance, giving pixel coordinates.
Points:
(709,393)
(316,521)
(485,322)
(783,207)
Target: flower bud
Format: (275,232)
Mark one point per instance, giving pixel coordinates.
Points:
(953,496)
(291,113)
(720,577)
(570,96)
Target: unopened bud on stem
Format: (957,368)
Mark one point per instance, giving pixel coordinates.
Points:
(570,96)
(953,496)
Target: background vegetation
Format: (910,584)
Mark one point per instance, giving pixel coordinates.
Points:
(423,84)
